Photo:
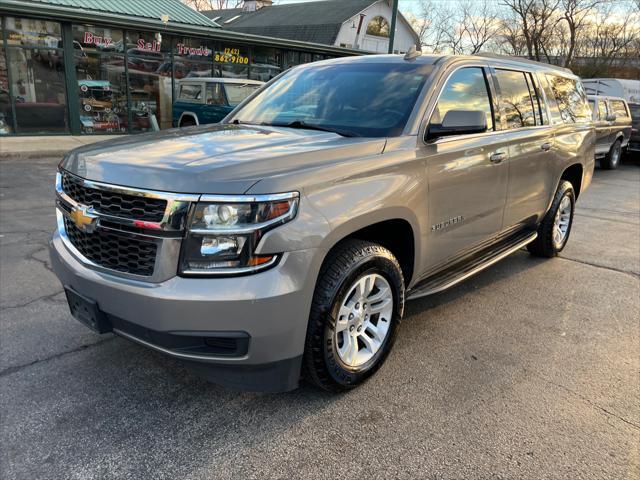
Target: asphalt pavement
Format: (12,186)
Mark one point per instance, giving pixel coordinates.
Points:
(528,370)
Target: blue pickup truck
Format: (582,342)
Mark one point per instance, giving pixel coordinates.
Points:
(209,99)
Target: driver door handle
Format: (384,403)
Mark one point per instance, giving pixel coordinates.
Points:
(498,157)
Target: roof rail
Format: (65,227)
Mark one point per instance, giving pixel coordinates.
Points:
(522,60)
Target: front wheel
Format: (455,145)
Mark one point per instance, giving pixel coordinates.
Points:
(357,305)
(553,232)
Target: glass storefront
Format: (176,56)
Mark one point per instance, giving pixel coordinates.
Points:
(101,79)
(266,63)
(233,61)
(116,80)
(6,109)
(35,73)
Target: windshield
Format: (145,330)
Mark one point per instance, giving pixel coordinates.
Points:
(365,99)
(237,93)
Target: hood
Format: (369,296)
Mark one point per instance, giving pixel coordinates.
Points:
(224,159)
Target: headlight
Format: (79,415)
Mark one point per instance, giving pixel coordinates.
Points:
(225,231)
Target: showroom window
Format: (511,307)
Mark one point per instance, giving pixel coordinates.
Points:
(150,93)
(6,110)
(35,74)
(290,59)
(233,60)
(265,63)
(100,74)
(192,58)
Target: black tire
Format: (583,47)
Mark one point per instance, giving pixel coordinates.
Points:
(187,122)
(611,161)
(544,245)
(343,266)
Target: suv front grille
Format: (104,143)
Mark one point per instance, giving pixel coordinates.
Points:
(114,203)
(117,252)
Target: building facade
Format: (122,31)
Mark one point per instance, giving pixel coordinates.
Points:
(355,24)
(66,70)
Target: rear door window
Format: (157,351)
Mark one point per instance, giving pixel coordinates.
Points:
(466,89)
(618,108)
(571,98)
(602,110)
(515,101)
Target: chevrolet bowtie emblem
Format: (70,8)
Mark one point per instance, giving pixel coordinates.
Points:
(84,219)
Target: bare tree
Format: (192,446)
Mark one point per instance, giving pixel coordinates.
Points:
(205,5)
(426,24)
(509,39)
(479,25)
(610,40)
(536,18)
(460,29)
(576,14)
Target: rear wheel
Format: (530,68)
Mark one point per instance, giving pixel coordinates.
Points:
(357,305)
(553,232)
(612,159)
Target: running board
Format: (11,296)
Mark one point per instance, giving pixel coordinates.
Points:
(463,270)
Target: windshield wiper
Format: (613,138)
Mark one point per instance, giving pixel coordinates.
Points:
(301,124)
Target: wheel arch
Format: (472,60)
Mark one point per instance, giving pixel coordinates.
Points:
(574,175)
(395,229)
(190,115)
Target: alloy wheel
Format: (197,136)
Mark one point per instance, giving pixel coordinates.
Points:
(562,222)
(364,318)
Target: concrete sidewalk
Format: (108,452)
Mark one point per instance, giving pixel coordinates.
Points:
(45,146)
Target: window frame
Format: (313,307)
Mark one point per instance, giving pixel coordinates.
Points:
(426,121)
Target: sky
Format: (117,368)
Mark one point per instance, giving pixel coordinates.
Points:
(406,6)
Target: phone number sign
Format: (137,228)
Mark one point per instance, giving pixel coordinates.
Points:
(231,55)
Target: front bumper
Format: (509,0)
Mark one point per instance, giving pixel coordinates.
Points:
(270,308)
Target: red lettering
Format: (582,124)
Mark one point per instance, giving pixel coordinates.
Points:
(88,37)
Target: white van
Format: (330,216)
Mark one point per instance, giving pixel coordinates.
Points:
(613,87)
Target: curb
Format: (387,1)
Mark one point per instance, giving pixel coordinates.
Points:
(33,154)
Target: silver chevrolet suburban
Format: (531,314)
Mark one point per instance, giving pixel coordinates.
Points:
(284,242)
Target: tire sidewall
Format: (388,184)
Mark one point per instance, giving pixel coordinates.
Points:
(339,372)
(614,162)
(566,189)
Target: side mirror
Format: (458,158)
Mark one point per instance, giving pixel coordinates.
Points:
(459,122)
(610,118)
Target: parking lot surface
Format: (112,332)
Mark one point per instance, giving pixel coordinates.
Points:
(527,370)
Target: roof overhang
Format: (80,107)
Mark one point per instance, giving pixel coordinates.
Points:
(27,8)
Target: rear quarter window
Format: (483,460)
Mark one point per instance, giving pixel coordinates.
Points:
(571,99)
(618,108)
